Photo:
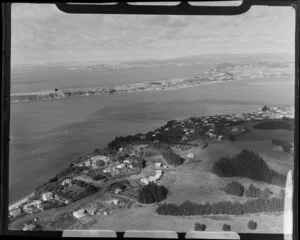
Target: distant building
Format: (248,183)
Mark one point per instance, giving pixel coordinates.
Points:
(113,201)
(66,182)
(144,181)
(118,190)
(47,196)
(158,164)
(15,212)
(100,158)
(120,166)
(126,161)
(29,227)
(190,155)
(29,207)
(220,138)
(234,129)
(79,213)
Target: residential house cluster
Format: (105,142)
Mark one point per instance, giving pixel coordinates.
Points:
(157,176)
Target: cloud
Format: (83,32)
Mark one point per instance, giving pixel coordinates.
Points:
(42,33)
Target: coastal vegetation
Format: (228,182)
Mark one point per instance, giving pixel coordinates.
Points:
(247,164)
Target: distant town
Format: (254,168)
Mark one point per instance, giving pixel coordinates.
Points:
(124,174)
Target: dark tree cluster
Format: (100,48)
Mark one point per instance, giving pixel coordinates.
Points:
(234,188)
(252,225)
(199,227)
(286,146)
(152,193)
(237,189)
(188,208)
(273,125)
(226,227)
(247,164)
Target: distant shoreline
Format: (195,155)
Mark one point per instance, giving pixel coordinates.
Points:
(163,85)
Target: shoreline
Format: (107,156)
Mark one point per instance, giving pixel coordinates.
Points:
(48,95)
(19,202)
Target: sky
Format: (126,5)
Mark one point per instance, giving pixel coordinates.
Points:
(43,34)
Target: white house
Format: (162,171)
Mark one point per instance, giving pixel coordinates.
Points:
(113,201)
(220,138)
(158,164)
(118,190)
(79,213)
(126,161)
(144,181)
(120,166)
(67,182)
(190,155)
(47,196)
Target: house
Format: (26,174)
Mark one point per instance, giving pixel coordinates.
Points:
(190,155)
(79,213)
(30,206)
(29,227)
(234,129)
(220,138)
(120,166)
(100,158)
(118,190)
(144,181)
(158,164)
(130,166)
(66,182)
(113,201)
(15,212)
(126,161)
(105,213)
(47,196)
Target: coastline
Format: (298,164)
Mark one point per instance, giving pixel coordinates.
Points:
(164,85)
(19,202)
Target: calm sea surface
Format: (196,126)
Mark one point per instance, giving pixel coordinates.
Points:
(47,135)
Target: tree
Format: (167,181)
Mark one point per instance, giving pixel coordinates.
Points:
(226,227)
(199,227)
(265,108)
(151,193)
(234,188)
(265,193)
(252,225)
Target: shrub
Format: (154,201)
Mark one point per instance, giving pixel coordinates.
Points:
(265,193)
(252,191)
(234,188)
(252,225)
(226,227)
(199,227)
